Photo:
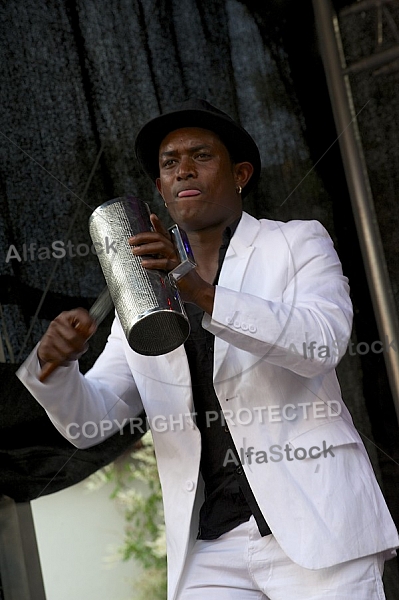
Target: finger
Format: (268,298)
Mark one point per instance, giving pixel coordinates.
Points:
(160,264)
(145,238)
(86,329)
(55,348)
(158,225)
(81,320)
(66,337)
(74,326)
(162,248)
(51,365)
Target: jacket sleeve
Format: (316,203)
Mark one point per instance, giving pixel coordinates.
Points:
(307,329)
(87,409)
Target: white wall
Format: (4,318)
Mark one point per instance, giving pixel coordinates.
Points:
(76,531)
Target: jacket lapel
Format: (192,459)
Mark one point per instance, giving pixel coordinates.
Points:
(233,270)
(231,276)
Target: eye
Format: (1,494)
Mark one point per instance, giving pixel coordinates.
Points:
(203,156)
(168,163)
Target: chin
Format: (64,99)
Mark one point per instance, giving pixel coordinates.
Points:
(187,213)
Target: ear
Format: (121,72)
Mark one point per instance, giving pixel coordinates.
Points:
(159,186)
(243,172)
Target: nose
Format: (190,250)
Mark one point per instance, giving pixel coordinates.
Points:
(186,168)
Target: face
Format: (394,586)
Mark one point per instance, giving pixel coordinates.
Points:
(198,180)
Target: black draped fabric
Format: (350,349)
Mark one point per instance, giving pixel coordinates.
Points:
(35,459)
(80,76)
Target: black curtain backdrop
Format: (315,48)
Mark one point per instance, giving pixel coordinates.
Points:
(78,76)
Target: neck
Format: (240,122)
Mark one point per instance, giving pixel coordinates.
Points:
(211,236)
(205,244)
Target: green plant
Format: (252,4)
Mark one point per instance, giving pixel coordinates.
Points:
(138,491)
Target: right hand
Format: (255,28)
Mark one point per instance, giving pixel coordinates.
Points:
(65,340)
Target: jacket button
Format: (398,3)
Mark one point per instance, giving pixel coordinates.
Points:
(252,328)
(190,485)
(229,320)
(237,324)
(244,326)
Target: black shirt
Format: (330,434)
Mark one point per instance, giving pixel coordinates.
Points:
(229,500)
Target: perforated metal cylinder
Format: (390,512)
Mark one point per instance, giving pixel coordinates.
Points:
(146,300)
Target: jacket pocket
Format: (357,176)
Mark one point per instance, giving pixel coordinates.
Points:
(336,433)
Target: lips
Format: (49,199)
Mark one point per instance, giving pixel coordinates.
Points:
(186,193)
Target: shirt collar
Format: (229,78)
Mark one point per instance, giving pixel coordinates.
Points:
(229,232)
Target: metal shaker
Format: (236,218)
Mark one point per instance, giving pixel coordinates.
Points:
(147,301)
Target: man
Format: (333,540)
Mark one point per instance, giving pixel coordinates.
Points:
(291,508)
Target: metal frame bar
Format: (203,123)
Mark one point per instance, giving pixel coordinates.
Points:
(374,60)
(359,186)
(20,570)
(378,59)
(363,5)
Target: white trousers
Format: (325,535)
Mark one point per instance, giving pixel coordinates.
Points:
(242,565)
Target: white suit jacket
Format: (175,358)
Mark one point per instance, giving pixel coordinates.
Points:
(281,320)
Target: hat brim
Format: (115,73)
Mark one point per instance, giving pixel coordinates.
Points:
(241,146)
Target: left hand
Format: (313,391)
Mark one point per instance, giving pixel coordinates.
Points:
(157,243)
(192,287)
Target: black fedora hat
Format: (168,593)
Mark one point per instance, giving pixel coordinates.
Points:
(196,112)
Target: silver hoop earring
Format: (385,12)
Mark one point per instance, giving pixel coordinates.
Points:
(238,189)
